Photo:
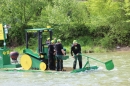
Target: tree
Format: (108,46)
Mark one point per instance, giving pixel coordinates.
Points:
(18,13)
(107,21)
(67,17)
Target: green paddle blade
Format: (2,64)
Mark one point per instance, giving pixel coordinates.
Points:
(109,65)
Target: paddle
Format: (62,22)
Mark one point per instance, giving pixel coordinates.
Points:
(109,64)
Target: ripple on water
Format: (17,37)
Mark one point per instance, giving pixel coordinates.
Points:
(101,77)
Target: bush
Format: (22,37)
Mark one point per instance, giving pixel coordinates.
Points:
(86,49)
(99,50)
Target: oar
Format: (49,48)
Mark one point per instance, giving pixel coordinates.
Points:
(109,64)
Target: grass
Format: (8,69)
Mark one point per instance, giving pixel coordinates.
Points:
(85,49)
(88,49)
(99,49)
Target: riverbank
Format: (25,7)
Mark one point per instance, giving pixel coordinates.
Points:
(85,49)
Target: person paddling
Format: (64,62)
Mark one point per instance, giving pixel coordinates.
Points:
(76,50)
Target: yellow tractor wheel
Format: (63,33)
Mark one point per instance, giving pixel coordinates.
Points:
(26,62)
(42,66)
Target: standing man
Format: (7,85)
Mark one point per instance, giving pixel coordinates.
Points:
(48,41)
(76,50)
(59,55)
(51,55)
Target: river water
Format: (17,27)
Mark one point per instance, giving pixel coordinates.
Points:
(119,76)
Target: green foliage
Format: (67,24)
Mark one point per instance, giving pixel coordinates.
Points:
(68,17)
(86,49)
(103,23)
(18,49)
(99,50)
(18,13)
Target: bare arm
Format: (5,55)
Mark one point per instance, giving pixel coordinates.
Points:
(63,52)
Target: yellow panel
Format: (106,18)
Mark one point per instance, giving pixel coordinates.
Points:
(45,30)
(26,62)
(48,26)
(42,66)
(7,52)
(1,32)
(4,52)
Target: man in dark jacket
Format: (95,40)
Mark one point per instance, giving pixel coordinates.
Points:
(59,55)
(76,50)
(48,41)
(51,55)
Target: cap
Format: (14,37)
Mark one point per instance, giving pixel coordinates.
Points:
(75,41)
(58,40)
(52,41)
(48,38)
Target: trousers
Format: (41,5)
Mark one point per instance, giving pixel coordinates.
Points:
(51,62)
(79,58)
(59,62)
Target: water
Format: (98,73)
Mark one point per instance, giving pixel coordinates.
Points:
(119,76)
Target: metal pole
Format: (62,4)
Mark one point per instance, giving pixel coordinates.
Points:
(26,39)
(50,36)
(39,41)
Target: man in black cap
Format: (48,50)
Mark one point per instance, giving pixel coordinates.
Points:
(51,55)
(76,49)
(59,55)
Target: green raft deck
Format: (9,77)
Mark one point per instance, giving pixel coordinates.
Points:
(67,69)
(109,66)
